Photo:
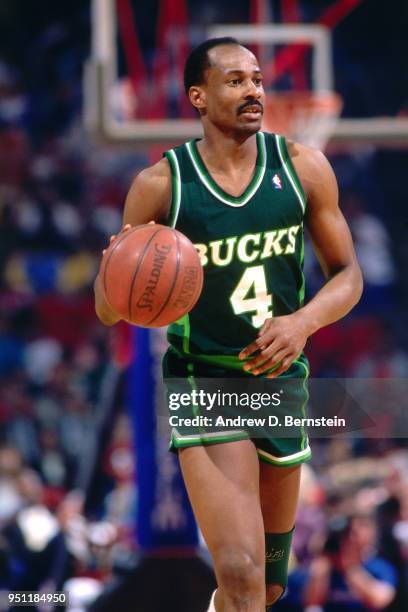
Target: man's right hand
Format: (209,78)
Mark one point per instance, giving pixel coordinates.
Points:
(125,228)
(105,314)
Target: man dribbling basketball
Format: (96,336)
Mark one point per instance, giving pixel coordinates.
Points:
(242,196)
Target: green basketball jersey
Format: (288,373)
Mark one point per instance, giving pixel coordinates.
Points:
(251,249)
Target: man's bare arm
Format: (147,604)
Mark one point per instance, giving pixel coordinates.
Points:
(281,339)
(148,199)
(331,240)
(149,196)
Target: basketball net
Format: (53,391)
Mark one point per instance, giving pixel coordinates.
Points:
(304,117)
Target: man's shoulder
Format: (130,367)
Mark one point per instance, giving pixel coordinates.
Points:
(156,173)
(152,186)
(310,163)
(308,157)
(312,167)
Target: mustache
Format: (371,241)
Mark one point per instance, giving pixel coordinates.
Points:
(250,103)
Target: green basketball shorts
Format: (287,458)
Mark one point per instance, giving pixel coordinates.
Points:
(197,422)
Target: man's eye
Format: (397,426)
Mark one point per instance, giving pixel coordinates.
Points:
(258,81)
(235,81)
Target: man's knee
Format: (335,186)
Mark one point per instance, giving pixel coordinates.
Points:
(238,571)
(273,593)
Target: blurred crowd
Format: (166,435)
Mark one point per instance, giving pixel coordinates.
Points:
(61,197)
(350,546)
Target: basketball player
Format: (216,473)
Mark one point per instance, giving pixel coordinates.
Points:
(242,196)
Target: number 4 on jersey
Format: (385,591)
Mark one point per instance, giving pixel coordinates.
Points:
(253,282)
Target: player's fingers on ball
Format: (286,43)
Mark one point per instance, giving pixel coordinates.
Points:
(112,238)
(126,227)
(151,222)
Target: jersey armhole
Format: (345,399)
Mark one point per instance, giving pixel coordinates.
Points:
(290,171)
(175,187)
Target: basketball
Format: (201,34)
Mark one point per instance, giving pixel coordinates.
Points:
(151,275)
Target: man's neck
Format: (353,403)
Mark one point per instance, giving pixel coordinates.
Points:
(227,152)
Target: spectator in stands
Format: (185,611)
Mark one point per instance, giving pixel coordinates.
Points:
(349,575)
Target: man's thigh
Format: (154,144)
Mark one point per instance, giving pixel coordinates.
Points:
(223,485)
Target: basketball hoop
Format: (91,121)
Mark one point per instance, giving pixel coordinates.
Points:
(305,117)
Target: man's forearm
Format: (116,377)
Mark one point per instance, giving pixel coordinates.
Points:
(334,300)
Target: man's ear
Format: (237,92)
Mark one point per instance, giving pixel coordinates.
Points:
(197,98)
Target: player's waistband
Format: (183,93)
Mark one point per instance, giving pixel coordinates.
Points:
(233,364)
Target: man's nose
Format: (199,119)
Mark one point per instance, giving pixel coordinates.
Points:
(253,91)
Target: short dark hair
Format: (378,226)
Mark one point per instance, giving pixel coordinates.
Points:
(197,62)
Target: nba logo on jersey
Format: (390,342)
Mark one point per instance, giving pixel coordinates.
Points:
(277,183)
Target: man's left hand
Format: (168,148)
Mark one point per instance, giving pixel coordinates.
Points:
(280,341)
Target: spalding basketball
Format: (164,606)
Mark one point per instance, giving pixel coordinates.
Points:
(151,275)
